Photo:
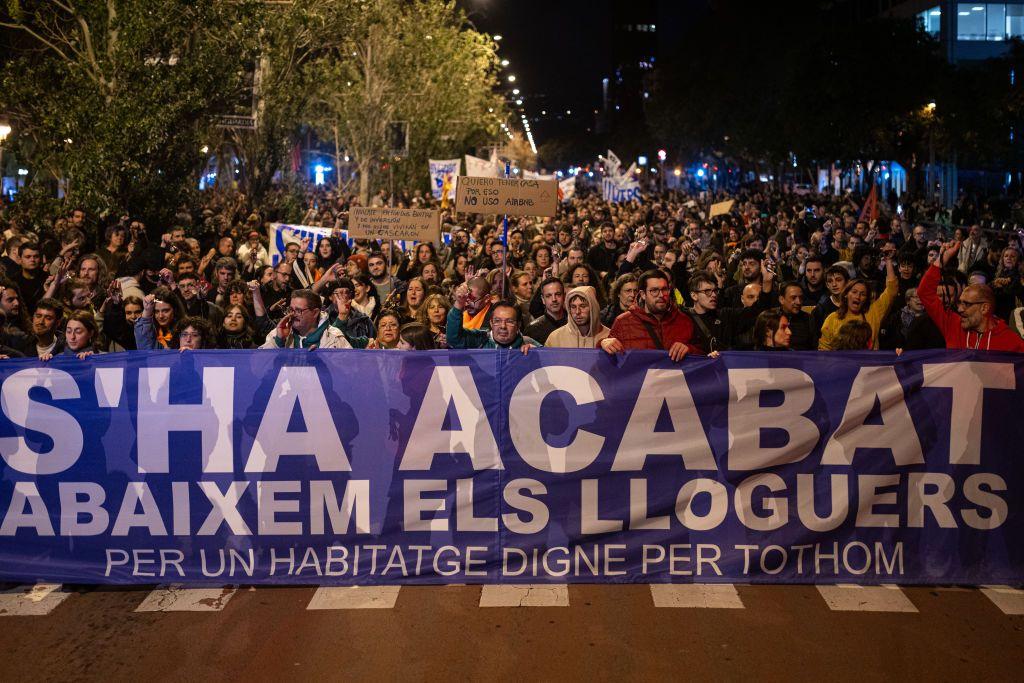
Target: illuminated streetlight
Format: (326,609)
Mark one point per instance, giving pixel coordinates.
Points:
(497,38)
(512,78)
(515,91)
(504,62)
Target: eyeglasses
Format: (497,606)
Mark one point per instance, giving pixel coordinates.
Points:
(709,291)
(502,321)
(299,311)
(660,290)
(967,304)
(190,335)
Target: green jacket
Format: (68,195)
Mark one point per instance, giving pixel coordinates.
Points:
(461,338)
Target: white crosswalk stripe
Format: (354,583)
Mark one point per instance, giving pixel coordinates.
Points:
(354,597)
(712,595)
(851,598)
(1008,600)
(176,598)
(31,600)
(527,595)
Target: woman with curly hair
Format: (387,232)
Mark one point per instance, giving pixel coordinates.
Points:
(194,333)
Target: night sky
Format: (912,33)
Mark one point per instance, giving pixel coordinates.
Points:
(561,49)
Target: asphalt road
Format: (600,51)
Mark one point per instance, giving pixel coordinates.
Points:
(597,632)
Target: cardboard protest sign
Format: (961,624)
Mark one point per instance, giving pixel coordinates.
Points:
(506,196)
(721,208)
(384,223)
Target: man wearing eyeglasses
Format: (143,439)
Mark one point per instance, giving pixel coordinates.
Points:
(305,326)
(725,328)
(654,322)
(504,320)
(973,325)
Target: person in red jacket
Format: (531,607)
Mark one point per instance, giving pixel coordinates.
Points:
(973,325)
(654,322)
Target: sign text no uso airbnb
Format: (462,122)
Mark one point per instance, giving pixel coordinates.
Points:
(506,196)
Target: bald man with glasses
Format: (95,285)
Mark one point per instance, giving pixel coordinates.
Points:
(973,325)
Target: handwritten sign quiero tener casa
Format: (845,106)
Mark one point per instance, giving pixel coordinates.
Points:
(419,225)
(506,196)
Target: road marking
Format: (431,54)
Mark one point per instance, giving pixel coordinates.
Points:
(175,598)
(851,598)
(713,595)
(354,597)
(1008,600)
(529,595)
(31,601)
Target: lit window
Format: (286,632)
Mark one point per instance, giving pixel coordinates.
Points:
(970,24)
(1015,21)
(996,22)
(931,20)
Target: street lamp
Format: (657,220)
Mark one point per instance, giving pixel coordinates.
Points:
(497,37)
(512,78)
(505,62)
(5,130)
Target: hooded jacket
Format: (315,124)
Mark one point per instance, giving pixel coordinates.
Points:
(568,336)
(999,337)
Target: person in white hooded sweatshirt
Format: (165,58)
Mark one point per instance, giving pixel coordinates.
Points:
(583,328)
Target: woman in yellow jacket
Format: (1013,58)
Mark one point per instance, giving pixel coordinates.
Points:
(855,304)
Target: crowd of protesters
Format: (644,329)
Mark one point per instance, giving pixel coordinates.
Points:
(778,272)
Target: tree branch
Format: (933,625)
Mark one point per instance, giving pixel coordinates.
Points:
(37,36)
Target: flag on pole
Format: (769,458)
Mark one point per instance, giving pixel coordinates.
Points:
(447,190)
(442,171)
(616,185)
(870,211)
(567,189)
(482,168)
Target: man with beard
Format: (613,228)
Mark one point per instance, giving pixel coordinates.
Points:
(583,329)
(15,326)
(45,328)
(813,281)
(750,270)
(655,322)
(144,268)
(379,276)
(973,325)
(602,257)
(552,294)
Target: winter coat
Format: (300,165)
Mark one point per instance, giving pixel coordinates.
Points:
(568,336)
